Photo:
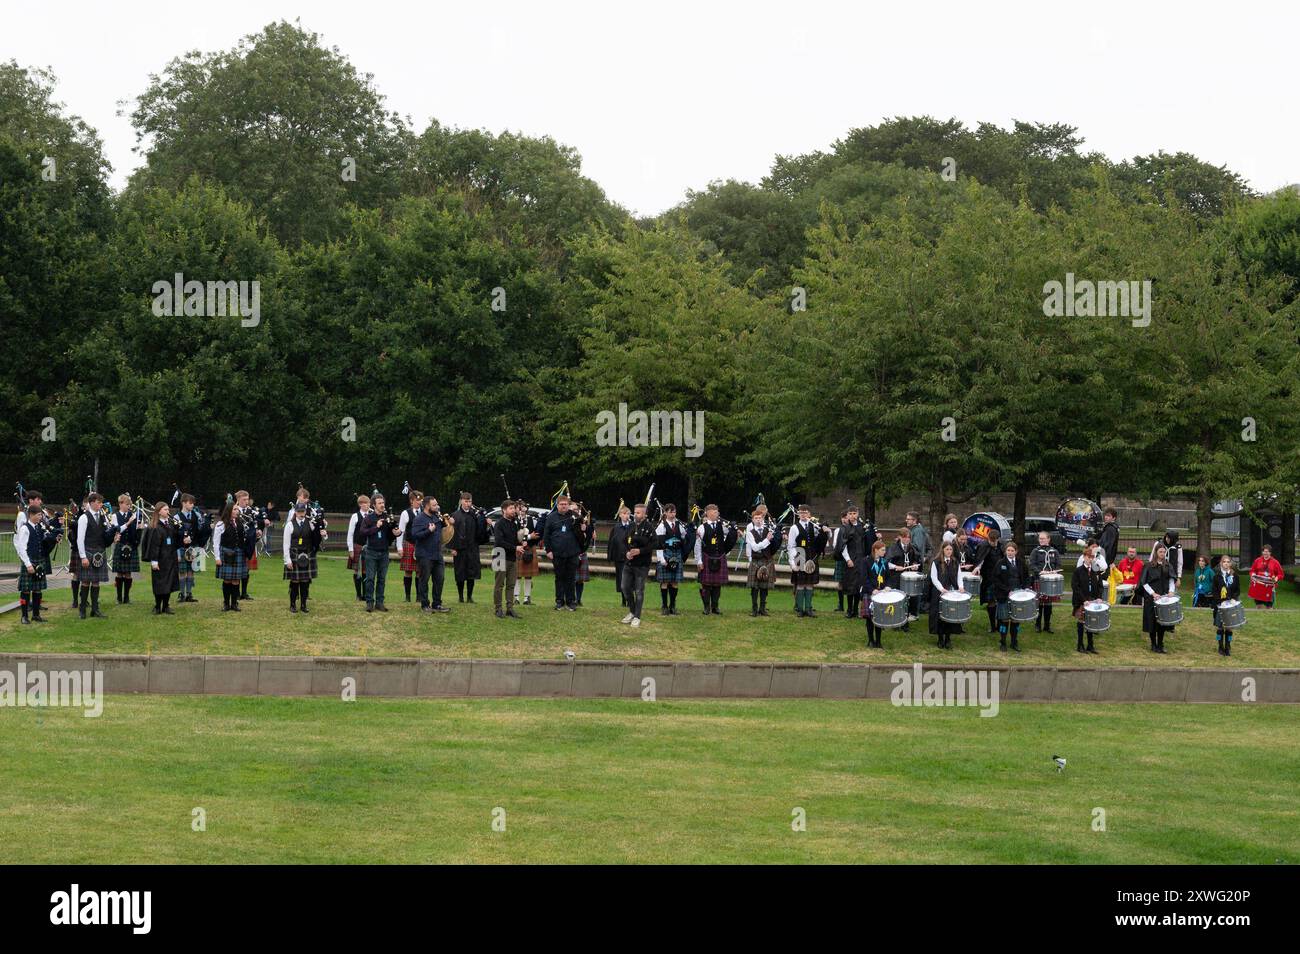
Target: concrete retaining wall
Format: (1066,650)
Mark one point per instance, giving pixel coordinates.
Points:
(329,675)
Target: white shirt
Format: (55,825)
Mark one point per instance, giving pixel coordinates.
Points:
(751,547)
(82,523)
(217,533)
(352,527)
(289,531)
(1098,561)
(934,577)
(662,531)
(398,541)
(20,540)
(792,543)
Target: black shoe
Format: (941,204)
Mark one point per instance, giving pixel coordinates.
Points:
(168,611)
(1038,627)
(293,608)
(1047,629)
(798,613)
(460,599)
(512,614)
(663,611)
(381,608)
(764,612)
(97,614)
(500,615)
(234,608)
(370,608)
(157,610)
(25,621)
(1079,648)
(1227,650)
(469,599)
(38,618)
(304,606)
(753,613)
(442,609)
(811,612)
(243,596)
(1091,650)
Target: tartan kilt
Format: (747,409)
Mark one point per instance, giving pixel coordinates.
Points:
(839,571)
(666,574)
(93,574)
(234,566)
(528,567)
(1045,600)
(34,584)
(752,576)
(583,574)
(124,565)
(800,578)
(303,574)
(408,562)
(183,565)
(354,561)
(713,571)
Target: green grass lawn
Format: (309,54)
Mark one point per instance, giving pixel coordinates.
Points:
(317,780)
(339,626)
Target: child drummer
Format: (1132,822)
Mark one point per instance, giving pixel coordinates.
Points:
(1044,559)
(1086,585)
(1225,586)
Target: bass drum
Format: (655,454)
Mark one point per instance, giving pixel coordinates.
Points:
(889,609)
(955,607)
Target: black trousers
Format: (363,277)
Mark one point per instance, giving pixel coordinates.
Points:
(434,571)
(566,571)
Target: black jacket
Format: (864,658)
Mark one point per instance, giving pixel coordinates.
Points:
(377,532)
(563,535)
(505,535)
(1086,585)
(641,537)
(1109,541)
(1009,575)
(616,546)
(1219,586)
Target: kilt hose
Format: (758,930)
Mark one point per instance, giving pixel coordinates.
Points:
(93,574)
(584,570)
(122,565)
(301,574)
(528,563)
(467,565)
(666,573)
(234,566)
(806,580)
(755,583)
(409,564)
(713,571)
(34,584)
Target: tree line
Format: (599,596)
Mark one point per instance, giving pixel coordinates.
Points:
(462,304)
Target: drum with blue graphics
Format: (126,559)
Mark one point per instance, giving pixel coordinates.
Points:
(1078,518)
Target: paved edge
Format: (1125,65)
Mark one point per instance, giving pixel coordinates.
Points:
(635,678)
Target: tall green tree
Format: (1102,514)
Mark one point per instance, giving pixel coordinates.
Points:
(281,122)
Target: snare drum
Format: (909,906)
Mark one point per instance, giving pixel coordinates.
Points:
(1125,591)
(1024,605)
(1051,583)
(1169,610)
(889,609)
(954,607)
(913,583)
(1096,616)
(1231,614)
(971,584)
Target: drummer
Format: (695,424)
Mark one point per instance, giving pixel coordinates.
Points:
(1009,573)
(1044,559)
(875,577)
(903,558)
(1264,575)
(986,558)
(1226,586)
(1087,585)
(1157,580)
(945,576)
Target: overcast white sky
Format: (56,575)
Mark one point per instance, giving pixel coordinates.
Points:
(660,98)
